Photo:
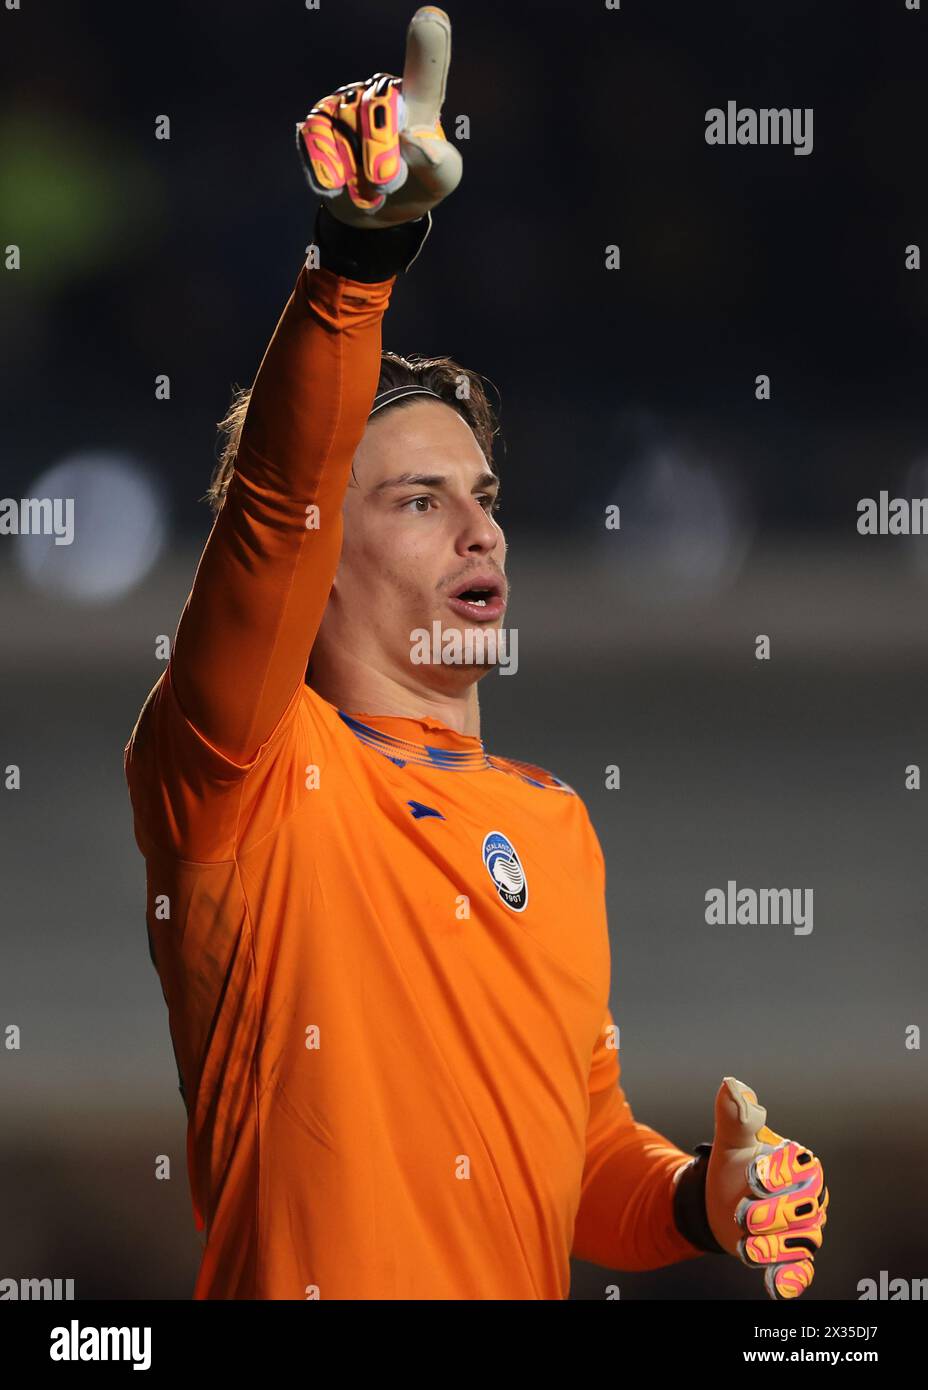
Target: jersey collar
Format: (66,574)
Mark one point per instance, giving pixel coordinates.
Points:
(424,741)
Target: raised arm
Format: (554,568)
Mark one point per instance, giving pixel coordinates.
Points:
(264,578)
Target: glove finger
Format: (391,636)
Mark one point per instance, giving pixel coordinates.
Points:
(348,126)
(774,1247)
(788,1212)
(320,149)
(789,1281)
(798,1218)
(381,116)
(425,70)
(790,1166)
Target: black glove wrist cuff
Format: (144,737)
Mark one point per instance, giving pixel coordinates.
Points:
(368,256)
(689,1204)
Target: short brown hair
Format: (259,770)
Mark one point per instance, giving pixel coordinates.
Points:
(457,386)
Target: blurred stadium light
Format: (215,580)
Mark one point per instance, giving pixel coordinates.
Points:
(119,528)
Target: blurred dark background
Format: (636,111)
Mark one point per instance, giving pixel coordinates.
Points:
(633,387)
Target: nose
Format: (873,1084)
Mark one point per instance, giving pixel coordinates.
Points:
(479,534)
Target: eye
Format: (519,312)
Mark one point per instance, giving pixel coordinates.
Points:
(489,501)
(413,503)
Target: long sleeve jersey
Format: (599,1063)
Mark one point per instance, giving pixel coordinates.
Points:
(384,951)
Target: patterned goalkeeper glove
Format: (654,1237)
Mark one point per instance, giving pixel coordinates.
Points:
(376,149)
(766,1199)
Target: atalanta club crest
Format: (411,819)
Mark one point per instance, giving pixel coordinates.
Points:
(505,869)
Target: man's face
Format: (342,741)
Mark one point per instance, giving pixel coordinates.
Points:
(418,534)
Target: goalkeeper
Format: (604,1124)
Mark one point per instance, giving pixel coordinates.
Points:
(383,948)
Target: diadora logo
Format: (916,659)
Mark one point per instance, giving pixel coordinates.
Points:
(505,869)
(420,810)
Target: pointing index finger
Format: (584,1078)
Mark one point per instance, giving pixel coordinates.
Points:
(425,71)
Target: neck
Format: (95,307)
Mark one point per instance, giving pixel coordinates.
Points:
(360,690)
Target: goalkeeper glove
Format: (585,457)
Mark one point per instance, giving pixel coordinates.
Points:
(766,1199)
(376,149)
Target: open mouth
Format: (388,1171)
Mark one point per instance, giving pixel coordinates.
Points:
(478,596)
(479,599)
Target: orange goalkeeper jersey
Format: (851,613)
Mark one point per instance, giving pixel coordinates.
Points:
(383,950)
